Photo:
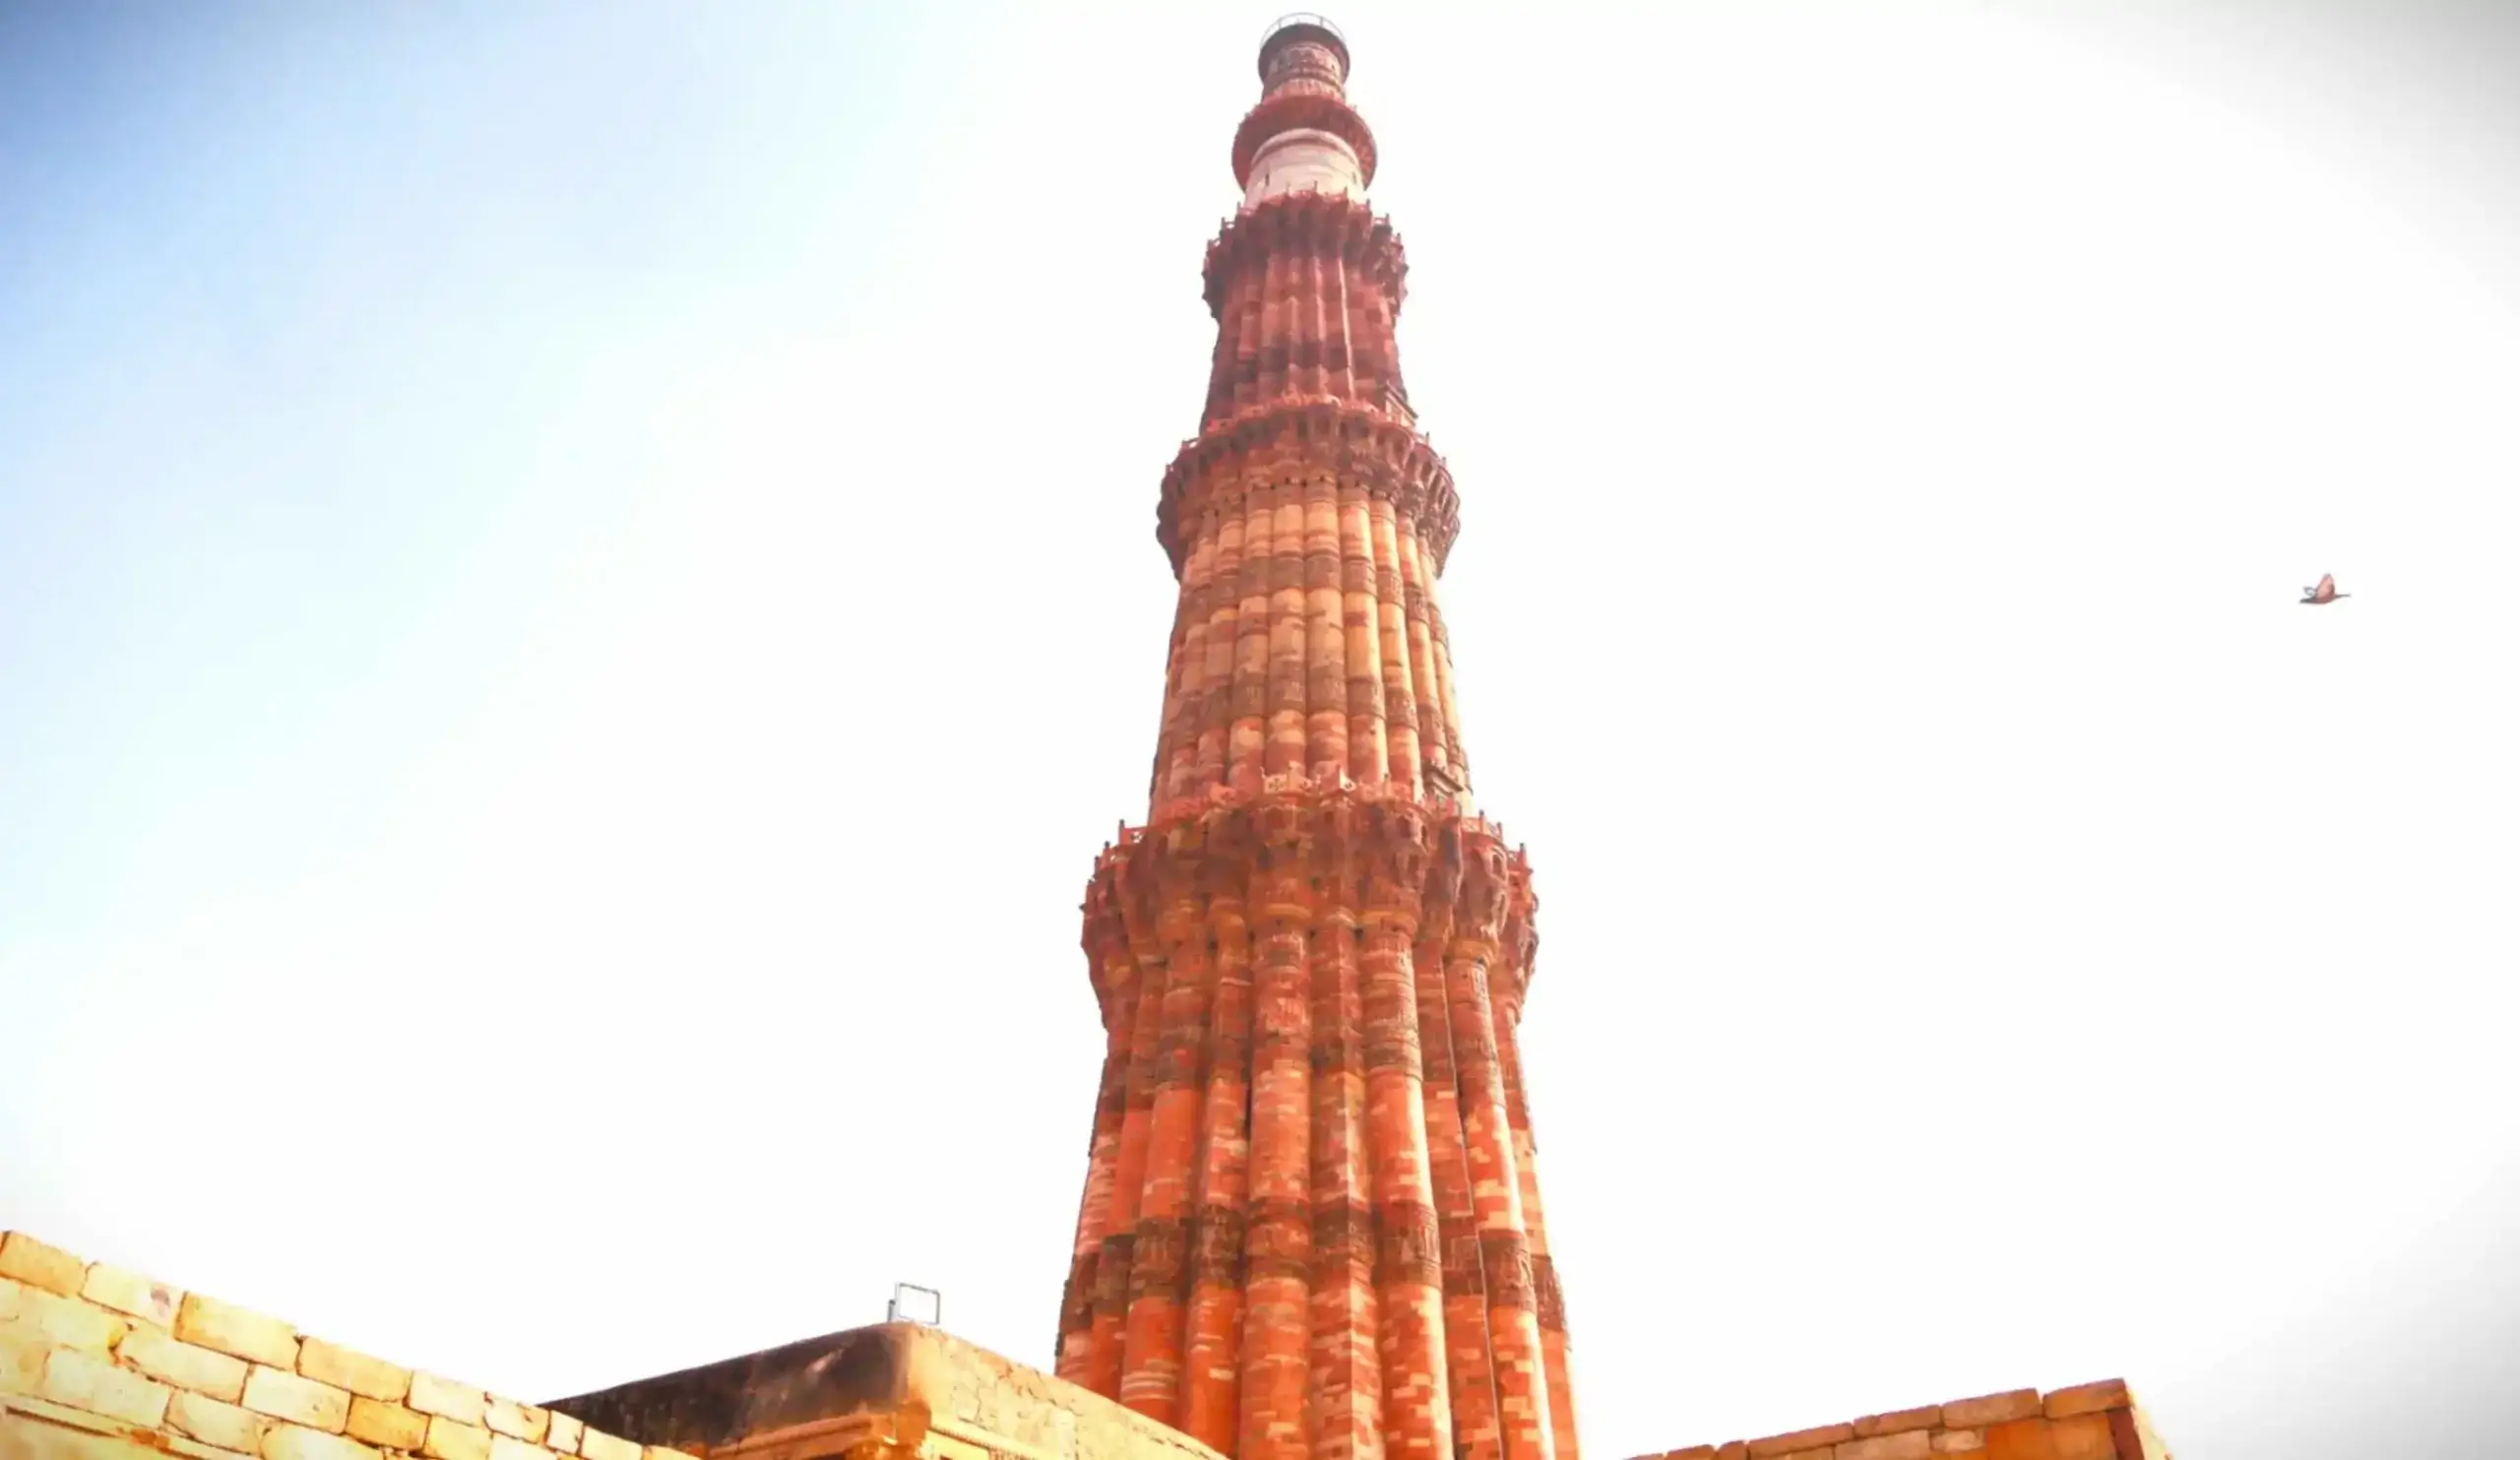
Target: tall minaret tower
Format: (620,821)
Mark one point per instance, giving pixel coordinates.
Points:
(1311,1227)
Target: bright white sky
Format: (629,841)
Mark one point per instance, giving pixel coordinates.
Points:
(576,593)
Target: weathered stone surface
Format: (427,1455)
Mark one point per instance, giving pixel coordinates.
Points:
(25,1437)
(86,1382)
(348,1369)
(522,1421)
(65,1323)
(594,1444)
(1927,1417)
(127,1292)
(508,1447)
(296,1443)
(41,1265)
(1825,1437)
(296,1399)
(386,1426)
(1905,1444)
(2020,1439)
(1959,1441)
(2088,1399)
(452,1440)
(2084,1436)
(1989,1409)
(213,1421)
(564,1432)
(230,1329)
(432,1395)
(193,1449)
(22,1352)
(170,1359)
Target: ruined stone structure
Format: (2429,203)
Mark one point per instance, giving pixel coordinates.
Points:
(1311,1226)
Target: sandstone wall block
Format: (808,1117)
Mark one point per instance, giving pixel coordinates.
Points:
(524,1422)
(453,1439)
(432,1395)
(67,1322)
(348,1369)
(294,1442)
(564,1434)
(86,1382)
(127,1292)
(594,1444)
(507,1447)
(2088,1399)
(23,1353)
(1824,1439)
(2019,1439)
(386,1426)
(1959,1441)
(170,1359)
(217,1423)
(230,1329)
(297,1399)
(1906,1445)
(1928,1417)
(2082,1437)
(41,1265)
(1990,1408)
(22,1437)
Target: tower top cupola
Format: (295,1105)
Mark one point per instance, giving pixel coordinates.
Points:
(1303,135)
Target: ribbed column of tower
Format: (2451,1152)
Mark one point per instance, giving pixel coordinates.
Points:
(1311,1227)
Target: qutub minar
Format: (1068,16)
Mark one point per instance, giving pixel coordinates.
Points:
(1311,1224)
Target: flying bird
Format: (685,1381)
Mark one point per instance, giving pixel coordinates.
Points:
(2326,593)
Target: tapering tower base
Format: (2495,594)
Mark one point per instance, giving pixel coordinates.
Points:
(1311,1226)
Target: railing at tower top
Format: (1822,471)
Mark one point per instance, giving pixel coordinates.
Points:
(1303,18)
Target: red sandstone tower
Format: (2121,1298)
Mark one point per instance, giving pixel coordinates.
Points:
(1311,1227)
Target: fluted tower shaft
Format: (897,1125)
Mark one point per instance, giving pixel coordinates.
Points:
(1311,1227)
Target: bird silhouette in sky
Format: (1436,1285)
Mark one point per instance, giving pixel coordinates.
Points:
(2326,593)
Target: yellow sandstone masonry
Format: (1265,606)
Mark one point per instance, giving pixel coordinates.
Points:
(297,1399)
(522,1421)
(41,1265)
(291,1442)
(171,1361)
(2088,1422)
(233,1330)
(23,1438)
(22,1352)
(453,1439)
(432,1395)
(67,1322)
(215,1423)
(100,1363)
(389,1425)
(348,1369)
(83,1382)
(128,1292)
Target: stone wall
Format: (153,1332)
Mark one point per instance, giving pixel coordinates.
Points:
(2090,1421)
(100,1363)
